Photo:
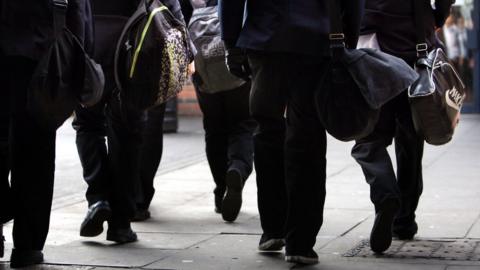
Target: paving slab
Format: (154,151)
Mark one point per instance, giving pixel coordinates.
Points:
(100,254)
(167,241)
(329,264)
(223,252)
(463,267)
(48,267)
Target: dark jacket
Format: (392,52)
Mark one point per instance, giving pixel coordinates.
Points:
(26,26)
(294,26)
(394,23)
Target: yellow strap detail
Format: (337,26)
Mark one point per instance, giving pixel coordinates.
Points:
(142,38)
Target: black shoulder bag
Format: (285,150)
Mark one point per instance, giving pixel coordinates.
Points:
(358,82)
(64,77)
(436,98)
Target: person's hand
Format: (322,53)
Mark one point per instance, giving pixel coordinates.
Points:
(191,68)
(237,63)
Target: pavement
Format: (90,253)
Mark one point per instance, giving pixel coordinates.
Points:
(185,233)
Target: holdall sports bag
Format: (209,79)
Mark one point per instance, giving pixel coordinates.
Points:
(204,29)
(356,84)
(151,57)
(64,77)
(436,98)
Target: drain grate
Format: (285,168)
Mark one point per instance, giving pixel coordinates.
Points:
(454,250)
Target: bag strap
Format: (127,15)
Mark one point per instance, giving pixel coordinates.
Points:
(59,15)
(418,13)
(336,35)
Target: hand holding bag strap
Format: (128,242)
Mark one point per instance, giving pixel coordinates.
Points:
(418,12)
(336,36)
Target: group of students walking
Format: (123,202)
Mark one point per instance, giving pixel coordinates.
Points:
(278,49)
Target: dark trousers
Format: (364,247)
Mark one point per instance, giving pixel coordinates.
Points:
(137,133)
(91,127)
(151,150)
(371,153)
(228,133)
(31,155)
(267,107)
(111,175)
(288,81)
(305,153)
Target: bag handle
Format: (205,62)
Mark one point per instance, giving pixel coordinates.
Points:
(418,13)
(336,35)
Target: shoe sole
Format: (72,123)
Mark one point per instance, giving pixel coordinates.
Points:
(272,245)
(301,260)
(122,240)
(94,226)
(232,202)
(381,235)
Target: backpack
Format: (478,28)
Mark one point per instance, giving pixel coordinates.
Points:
(204,29)
(151,57)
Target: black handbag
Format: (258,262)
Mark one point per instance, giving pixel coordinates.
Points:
(356,85)
(64,77)
(436,98)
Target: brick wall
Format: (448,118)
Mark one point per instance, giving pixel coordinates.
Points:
(187,102)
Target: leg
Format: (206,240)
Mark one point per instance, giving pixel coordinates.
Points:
(240,130)
(305,159)
(409,152)
(371,153)
(151,151)
(90,126)
(5,198)
(216,140)
(124,139)
(32,171)
(239,127)
(267,106)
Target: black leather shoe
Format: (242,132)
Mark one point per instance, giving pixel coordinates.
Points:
(403,235)
(121,236)
(405,231)
(232,202)
(97,213)
(381,235)
(307,258)
(24,258)
(270,244)
(141,215)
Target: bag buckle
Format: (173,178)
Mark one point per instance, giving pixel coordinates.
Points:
(337,40)
(422,49)
(62,4)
